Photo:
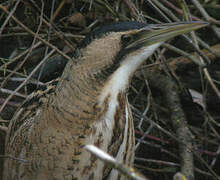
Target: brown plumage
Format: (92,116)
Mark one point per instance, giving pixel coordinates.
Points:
(89,106)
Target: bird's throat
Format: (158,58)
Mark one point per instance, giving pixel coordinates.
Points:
(120,79)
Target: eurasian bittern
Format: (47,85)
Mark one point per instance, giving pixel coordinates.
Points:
(89,106)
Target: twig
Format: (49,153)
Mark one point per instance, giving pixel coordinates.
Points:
(207,17)
(183,53)
(175,18)
(58,9)
(22,84)
(127,171)
(14,158)
(20,55)
(7,91)
(31,81)
(171,5)
(134,10)
(8,17)
(3,128)
(170,91)
(179,176)
(33,34)
(30,50)
(58,33)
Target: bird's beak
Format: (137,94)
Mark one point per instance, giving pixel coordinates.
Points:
(152,34)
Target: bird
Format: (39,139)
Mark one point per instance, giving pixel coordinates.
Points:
(89,105)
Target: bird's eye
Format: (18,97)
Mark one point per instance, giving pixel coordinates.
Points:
(126,38)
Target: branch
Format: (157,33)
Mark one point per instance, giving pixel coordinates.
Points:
(129,172)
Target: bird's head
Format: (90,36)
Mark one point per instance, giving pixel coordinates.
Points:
(112,53)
